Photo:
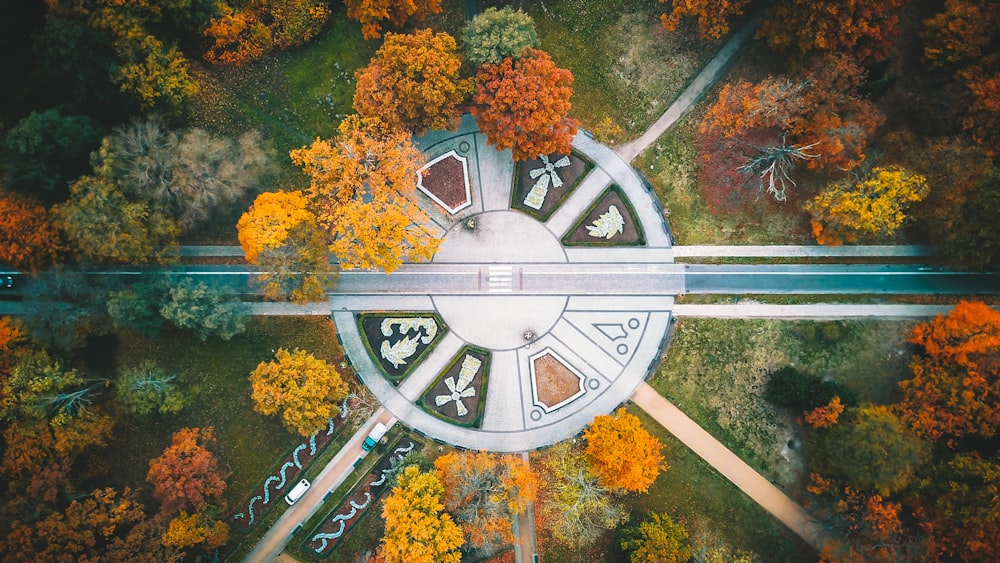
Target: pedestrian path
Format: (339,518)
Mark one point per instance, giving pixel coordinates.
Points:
(804,251)
(768,496)
(828,311)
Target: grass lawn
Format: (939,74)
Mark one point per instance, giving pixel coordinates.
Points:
(215,378)
(715,372)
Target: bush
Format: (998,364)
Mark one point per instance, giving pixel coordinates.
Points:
(791,388)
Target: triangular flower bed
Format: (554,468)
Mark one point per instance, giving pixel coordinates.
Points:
(458,395)
(398,342)
(610,221)
(284,476)
(542,183)
(365,494)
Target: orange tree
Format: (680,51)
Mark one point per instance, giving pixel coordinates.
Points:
(865,29)
(623,454)
(361,189)
(485,492)
(523,105)
(28,238)
(186,475)
(374,13)
(413,82)
(714,16)
(306,390)
(243,34)
(417,529)
(956,380)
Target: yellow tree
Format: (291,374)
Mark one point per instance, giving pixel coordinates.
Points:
(269,220)
(414,83)
(873,207)
(187,530)
(417,530)
(623,455)
(306,390)
(484,492)
(361,190)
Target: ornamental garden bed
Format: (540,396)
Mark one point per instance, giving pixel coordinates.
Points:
(610,221)
(398,342)
(555,384)
(446,180)
(541,184)
(340,520)
(284,475)
(458,393)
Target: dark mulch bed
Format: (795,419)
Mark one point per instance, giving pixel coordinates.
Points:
(340,520)
(570,176)
(371,328)
(554,382)
(474,404)
(631,234)
(285,475)
(446,180)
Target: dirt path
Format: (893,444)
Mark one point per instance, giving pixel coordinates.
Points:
(732,467)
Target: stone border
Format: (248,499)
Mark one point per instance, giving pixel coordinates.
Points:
(534,382)
(465,173)
(483,374)
(586,219)
(376,357)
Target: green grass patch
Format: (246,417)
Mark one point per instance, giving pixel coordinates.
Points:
(715,371)
(215,379)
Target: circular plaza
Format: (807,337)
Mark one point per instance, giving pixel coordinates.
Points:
(546,304)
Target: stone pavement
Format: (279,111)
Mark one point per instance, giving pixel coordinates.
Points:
(751,310)
(555,331)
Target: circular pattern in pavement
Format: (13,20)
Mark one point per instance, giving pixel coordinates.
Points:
(543,307)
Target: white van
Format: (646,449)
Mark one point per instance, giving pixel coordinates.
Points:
(297,491)
(373,437)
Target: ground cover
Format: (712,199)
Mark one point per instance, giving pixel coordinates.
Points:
(215,379)
(590,231)
(716,369)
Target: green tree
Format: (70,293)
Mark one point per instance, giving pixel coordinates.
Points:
(67,305)
(153,73)
(872,449)
(494,35)
(657,540)
(195,306)
(576,508)
(975,241)
(417,529)
(138,307)
(47,148)
(102,225)
(306,390)
(145,388)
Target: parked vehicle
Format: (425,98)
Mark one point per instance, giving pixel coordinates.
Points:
(297,491)
(374,436)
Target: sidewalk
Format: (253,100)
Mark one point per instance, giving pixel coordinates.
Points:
(731,467)
(812,311)
(812,251)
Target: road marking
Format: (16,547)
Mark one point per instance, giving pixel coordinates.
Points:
(500,279)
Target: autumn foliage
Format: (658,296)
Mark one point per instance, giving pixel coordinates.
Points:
(956,381)
(361,189)
(417,529)
(874,207)
(270,219)
(304,389)
(523,105)
(824,416)
(186,475)
(373,14)
(713,15)
(484,492)
(623,454)
(414,83)
(28,238)
(240,35)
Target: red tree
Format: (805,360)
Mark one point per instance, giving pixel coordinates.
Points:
(523,105)
(186,475)
(28,239)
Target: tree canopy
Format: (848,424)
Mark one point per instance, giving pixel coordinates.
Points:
(145,388)
(496,34)
(623,454)
(373,14)
(249,30)
(657,539)
(523,104)
(195,306)
(414,83)
(305,390)
(186,475)
(417,529)
(29,240)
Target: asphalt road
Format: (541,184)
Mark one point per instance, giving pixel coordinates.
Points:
(605,278)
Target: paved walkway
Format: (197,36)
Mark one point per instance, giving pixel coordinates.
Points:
(705,79)
(805,251)
(524,531)
(332,476)
(750,310)
(731,466)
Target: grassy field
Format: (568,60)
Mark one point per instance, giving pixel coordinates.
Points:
(715,372)
(215,379)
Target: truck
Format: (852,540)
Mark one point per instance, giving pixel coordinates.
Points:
(374,436)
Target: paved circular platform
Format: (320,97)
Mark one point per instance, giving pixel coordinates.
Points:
(546,305)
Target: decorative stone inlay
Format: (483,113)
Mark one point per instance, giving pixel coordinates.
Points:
(554,383)
(446,181)
(460,389)
(459,392)
(397,352)
(544,176)
(609,224)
